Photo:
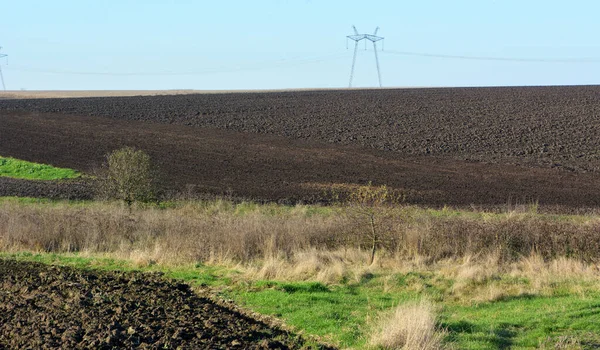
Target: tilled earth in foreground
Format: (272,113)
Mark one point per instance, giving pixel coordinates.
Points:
(49,307)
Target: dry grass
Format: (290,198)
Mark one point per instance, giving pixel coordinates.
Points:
(561,343)
(545,276)
(487,278)
(324,266)
(411,326)
(191,233)
(325,245)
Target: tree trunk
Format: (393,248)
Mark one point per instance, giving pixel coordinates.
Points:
(374,240)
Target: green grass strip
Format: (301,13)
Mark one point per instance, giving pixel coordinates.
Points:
(20,169)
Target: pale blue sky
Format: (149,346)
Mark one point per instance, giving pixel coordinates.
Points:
(272,44)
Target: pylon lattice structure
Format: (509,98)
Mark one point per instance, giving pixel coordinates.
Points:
(359,37)
(1,76)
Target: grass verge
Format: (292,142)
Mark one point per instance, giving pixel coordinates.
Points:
(349,313)
(20,169)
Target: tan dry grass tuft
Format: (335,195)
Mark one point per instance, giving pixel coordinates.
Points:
(411,326)
(472,276)
(143,258)
(559,269)
(407,264)
(470,268)
(312,264)
(323,266)
(544,276)
(270,269)
(561,343)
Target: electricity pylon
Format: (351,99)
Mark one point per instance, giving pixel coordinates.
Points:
(372,38)
(1,76)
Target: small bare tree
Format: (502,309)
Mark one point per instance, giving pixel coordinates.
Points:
(129,176)
(371,204)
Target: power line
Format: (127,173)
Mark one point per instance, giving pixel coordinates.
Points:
(491,58)
(257,66)
(2,76)
(307,60)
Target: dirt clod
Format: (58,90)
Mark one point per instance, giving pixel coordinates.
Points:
(49,307)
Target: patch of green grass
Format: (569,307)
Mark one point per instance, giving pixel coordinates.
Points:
(73,260)
(46,202)
(20,169)
(337,314)
(524,322)
(345,314)
(25,200)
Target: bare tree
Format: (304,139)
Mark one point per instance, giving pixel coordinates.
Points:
(371,204)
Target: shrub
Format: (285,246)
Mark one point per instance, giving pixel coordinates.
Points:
(129,176)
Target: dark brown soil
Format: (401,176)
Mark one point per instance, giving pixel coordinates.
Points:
(440,146)
(544,126)
(267,167)
(71,189)
(50,307)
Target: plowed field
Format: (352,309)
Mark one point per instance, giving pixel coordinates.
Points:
(49,307)
(459,146)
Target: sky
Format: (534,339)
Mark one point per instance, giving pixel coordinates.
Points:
(280,44)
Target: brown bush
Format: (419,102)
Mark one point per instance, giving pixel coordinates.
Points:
(219,230)
(128,175)
(190,233)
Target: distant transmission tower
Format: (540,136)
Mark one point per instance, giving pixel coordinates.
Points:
(1,76)
(358,37)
